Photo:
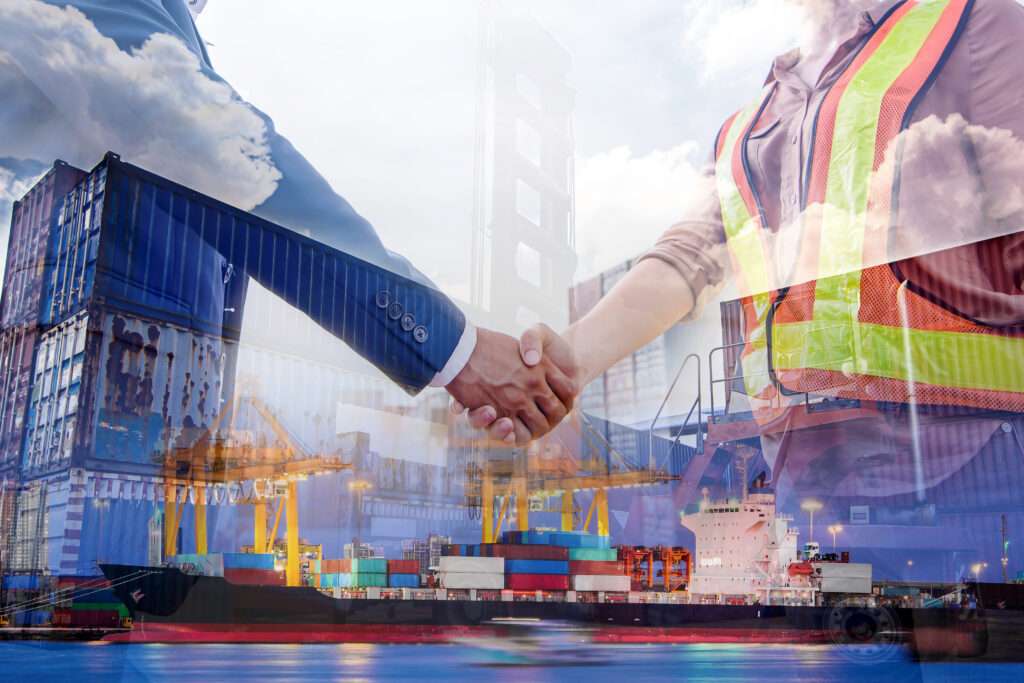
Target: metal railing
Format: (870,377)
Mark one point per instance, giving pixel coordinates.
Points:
(697,404)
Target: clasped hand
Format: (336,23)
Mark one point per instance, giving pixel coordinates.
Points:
(518,390)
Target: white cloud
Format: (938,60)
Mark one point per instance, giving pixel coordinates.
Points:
(624,202)
(76,95)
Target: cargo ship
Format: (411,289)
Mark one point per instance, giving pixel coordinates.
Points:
(759,589)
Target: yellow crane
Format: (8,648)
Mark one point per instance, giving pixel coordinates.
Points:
(212,461)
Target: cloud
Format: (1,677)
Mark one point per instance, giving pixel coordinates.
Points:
(624,202)
(71,93)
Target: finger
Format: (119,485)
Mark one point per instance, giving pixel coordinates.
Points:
(523,432)
(563,387)
(502,429)
(534,421)
(554,410)
(457,408)
(531,344)
(482,417)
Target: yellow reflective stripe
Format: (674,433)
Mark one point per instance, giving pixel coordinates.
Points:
(742,229)
(851,164)
(948,359)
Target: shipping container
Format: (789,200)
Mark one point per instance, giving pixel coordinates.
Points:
(473,565)
(470,580)
(524,552)
(530,582)
(601,582)
(370,565)
(255,577)
(398,580)
(101,618)
(32,221)
(596,567)
(593,554)
(403,567)
(336,566)
(17,356)
(263,561)
(536,567)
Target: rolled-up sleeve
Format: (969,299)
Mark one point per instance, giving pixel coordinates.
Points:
(695,246)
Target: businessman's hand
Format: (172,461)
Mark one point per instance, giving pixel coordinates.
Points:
(538,346)
(527,399)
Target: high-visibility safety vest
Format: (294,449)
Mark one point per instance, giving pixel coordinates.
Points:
(858,330)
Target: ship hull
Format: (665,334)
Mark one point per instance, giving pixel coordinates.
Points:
(170,606)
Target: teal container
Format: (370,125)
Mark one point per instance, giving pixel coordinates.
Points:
(595,554)
(370,565)
(369,580)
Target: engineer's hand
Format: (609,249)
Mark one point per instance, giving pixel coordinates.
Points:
(526,393)
(539,346)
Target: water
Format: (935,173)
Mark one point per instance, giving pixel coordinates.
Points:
(38,662)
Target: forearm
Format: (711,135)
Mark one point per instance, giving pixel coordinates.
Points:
(649,300)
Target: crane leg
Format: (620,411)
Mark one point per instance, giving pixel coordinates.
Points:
(170,520)
(567,511)
(292,533)
(522,506)
(259,518)
(602,512)
(487,507)
(200,525)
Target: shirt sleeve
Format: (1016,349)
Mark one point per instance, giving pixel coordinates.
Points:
(460,356)
(695,246)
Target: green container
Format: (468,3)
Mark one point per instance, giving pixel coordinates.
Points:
(100,607)
(370,565)
(594,554)
(369,579)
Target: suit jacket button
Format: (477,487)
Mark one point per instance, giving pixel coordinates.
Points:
(408,322)
(383,299)
(420,334)
(395,310)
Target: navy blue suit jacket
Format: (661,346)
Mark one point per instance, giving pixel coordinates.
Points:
(389,300)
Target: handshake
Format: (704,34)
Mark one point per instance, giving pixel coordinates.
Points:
(517,390)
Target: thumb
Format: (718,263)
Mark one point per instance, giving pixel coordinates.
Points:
(531,344)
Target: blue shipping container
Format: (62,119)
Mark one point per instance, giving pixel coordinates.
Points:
(248,561)
(21,582)
(404,580)
(536,567)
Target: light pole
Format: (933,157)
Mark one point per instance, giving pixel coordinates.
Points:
(834,529)
(811,506)
(358,486)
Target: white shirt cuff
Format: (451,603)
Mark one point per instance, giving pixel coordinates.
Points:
(458,359)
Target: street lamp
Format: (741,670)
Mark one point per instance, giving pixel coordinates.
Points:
(834,529)
(358,486)
(811,506)
(976,569)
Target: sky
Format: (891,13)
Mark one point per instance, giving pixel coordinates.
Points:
(381,98)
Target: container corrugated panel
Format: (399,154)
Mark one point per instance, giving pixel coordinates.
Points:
(594,554)
(336,566)
(369,579)
(255,577)
(404,580)
(530,582)
(525,552)
(31,227)
(536,567)
(21,582)
(469,580)
(601,582)
(451,549)
(248,561)
(473,565)
(597,567)
(370,565)
(403,567)
(17,357)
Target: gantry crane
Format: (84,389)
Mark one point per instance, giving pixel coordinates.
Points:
(498,483)
(271,471)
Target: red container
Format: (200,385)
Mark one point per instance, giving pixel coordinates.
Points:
(403,566)
(255,577)
(336,567)
(592,567)
(524,552)
(451,550)
(534,582)
(83,618)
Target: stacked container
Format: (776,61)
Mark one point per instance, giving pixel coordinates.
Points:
(358,573)
(487,573)
(404,573)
